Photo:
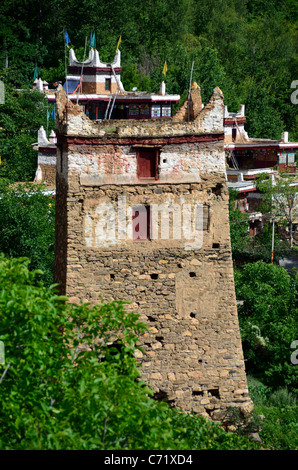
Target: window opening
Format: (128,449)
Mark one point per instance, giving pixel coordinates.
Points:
(108,84)
(141,222)
(147,163)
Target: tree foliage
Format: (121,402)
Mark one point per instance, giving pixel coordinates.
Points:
(21,116)
(269,321)
(239,226)
(27,225)
(248,248)
(279,199)
(248,49)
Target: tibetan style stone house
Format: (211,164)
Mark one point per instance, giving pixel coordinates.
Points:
(98,88)
(142,215)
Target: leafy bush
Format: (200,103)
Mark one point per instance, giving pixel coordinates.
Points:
(280,427)
(21,116)
(268,322)
(71,381)
(27,225)
(278,411)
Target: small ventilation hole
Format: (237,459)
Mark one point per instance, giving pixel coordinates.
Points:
(154,276)
(196,393)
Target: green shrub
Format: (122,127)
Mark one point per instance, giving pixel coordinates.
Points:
(268,321)
(277,414)
(27,225)
(279,426)
(71,381)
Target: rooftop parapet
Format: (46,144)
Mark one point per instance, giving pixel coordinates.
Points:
(72,121)
(94,60)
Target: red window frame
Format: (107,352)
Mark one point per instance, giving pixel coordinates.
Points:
(147,162)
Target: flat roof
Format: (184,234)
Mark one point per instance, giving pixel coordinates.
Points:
(258,143)
(127,97)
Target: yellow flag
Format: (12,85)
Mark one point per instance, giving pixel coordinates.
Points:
(118,44)
(165,68)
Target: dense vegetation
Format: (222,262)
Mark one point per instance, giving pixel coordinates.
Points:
(268,318)
(87,397)
(247,48)
(21,116)
(27,226)
(49,398)
(269,322)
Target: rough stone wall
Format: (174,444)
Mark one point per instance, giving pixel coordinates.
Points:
(182,285)
(190,108)
(48,174)
(98,88)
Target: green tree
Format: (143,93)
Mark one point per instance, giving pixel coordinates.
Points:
(279,199)
(20,118)
(239,226)
(261,245)
(27,225)
(268,321)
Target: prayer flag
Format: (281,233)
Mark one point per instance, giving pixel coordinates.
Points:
(165,68)
(67,40)
(35,72)
(118,44)
(92,40)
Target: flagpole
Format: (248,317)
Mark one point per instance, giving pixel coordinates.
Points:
(65,66)
(81,80)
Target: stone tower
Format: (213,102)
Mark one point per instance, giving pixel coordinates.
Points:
(142,215)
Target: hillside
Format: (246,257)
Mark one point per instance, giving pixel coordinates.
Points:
(247,48)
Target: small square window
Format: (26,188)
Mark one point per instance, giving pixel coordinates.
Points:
(108,84)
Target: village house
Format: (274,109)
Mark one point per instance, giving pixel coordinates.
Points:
(98,88)
(248,158)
